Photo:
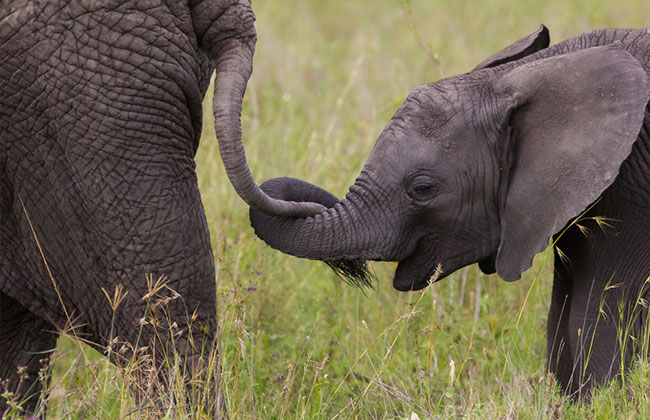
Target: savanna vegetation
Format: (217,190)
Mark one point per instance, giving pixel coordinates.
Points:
(298,343)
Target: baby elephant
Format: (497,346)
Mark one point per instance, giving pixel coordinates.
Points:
(535,143)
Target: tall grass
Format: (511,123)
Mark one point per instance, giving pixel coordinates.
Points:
(296,343)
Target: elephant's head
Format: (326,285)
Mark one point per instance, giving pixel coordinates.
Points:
(482,167)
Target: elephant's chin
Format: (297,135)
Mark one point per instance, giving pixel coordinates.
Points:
(488,265)
(416,272)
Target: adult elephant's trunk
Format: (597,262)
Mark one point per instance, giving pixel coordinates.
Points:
(342,235)
(230,41)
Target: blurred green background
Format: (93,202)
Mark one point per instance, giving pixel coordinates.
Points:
(328,75)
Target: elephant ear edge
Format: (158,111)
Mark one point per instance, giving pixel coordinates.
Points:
(573,120)
(527,45)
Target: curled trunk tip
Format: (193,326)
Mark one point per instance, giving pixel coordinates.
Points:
(283,233)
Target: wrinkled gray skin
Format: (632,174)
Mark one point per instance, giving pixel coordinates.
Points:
(487,166)
(99,122)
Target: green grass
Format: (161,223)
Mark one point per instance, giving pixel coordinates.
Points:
(327,77)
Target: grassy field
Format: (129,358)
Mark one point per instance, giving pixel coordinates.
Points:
(296,342)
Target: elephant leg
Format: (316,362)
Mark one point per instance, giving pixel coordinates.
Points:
(582,345)
(25,342)
(582,335)
(559,359)
(152,381)
(594,338)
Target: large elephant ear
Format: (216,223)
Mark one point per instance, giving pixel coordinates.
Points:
(527,45)
(573,120)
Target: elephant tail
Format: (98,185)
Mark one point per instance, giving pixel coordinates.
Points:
(226,32)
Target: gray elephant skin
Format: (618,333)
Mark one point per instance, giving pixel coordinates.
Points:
(537,143)
(99,122)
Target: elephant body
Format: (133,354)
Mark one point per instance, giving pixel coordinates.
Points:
(100,119)
(601,261)
(602,267)
(538,142)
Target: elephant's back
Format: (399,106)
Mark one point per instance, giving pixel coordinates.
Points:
(73,58)
(635,41)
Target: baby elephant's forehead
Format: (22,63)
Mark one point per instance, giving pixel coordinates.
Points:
(441,96)
(430,111)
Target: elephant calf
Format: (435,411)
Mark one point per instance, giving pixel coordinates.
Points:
(535,143)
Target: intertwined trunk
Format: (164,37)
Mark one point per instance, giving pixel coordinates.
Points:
(351,229)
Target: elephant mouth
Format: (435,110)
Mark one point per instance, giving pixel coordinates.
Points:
(418,270)
(428,263)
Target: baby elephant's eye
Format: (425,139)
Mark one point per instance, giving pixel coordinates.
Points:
(422,188)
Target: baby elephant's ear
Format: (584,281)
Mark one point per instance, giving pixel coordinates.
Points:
(573,120)
(527,45)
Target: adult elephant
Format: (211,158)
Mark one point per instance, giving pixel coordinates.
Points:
(537,142)
(99,122)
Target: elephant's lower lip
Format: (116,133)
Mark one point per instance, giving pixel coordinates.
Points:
(415,272)
(408,286)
